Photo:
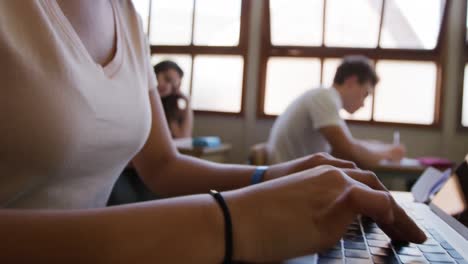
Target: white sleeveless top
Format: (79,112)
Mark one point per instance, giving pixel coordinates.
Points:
(68,126)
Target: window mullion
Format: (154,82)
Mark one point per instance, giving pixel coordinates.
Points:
(322,61)
(149,18)
(193,22)
(192,44)
(191,76)
(324,17)
(381,22)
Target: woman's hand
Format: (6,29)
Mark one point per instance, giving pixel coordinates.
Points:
(309,212)
(308,162)
(185,99)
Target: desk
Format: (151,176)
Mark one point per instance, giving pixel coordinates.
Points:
(397,175)
(216,154)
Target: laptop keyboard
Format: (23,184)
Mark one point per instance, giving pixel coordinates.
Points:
(365,243)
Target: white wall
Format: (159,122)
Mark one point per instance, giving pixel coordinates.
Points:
(242,132)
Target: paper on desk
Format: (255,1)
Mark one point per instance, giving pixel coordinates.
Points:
(410,162)
(429,183)
(183,142)
(405,162)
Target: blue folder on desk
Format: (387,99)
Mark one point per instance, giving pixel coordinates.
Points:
(206,142)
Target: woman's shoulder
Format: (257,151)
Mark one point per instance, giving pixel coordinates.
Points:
(127,8)
(129,14)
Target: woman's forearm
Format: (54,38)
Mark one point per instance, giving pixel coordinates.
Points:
(182,230)
(168,173)
(185,175)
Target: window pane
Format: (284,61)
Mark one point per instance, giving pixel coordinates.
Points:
(142,7)
(299,23)
(287,78)
(406,92)
(171,22)
(352,23)
(217,22)
(185,63)
(329,70)
(465,99)
(411,24)
(217,83)
(328,74)
(466,32)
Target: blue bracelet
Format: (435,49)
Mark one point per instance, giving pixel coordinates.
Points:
(257,177)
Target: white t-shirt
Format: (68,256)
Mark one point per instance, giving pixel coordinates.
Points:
(296,132)
(68,126)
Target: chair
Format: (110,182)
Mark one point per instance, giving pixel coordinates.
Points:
(258,154)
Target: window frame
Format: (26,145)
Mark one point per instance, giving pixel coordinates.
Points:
(460,126)
(323,52)
(193,50)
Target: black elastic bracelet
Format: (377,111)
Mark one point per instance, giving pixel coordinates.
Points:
(227,225)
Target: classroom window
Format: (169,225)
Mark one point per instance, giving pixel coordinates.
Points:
(143,8)
(305,40)
(296,24)
(215,89)
(406,92)
(464,101)
(352,23)
(287,79)
(464,114)
(217,23)
(411,24)
(466,32)
(201,36)
(171,22)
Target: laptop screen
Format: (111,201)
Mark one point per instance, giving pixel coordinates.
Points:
(453,197)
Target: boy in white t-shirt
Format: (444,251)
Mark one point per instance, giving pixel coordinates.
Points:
(312,123)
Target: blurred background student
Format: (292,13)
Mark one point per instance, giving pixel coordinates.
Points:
(176,105)
(179,115)
(312,123)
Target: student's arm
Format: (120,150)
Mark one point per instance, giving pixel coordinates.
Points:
(365,154)
(169,173)
(183,230)
(191,229)
(396,153)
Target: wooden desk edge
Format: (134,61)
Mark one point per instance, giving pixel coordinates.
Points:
(199,151)
(402,169)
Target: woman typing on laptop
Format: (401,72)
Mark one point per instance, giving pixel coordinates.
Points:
(79,101)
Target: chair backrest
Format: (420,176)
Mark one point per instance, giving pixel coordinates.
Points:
(258,154)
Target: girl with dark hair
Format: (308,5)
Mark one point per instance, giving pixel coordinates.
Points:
(176,105)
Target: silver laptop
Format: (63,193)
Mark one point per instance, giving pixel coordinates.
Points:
(445,221)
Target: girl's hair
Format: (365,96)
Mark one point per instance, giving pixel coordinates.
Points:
(171,102)
(168,65)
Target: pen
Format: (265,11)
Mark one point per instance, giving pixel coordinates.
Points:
(396,138)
